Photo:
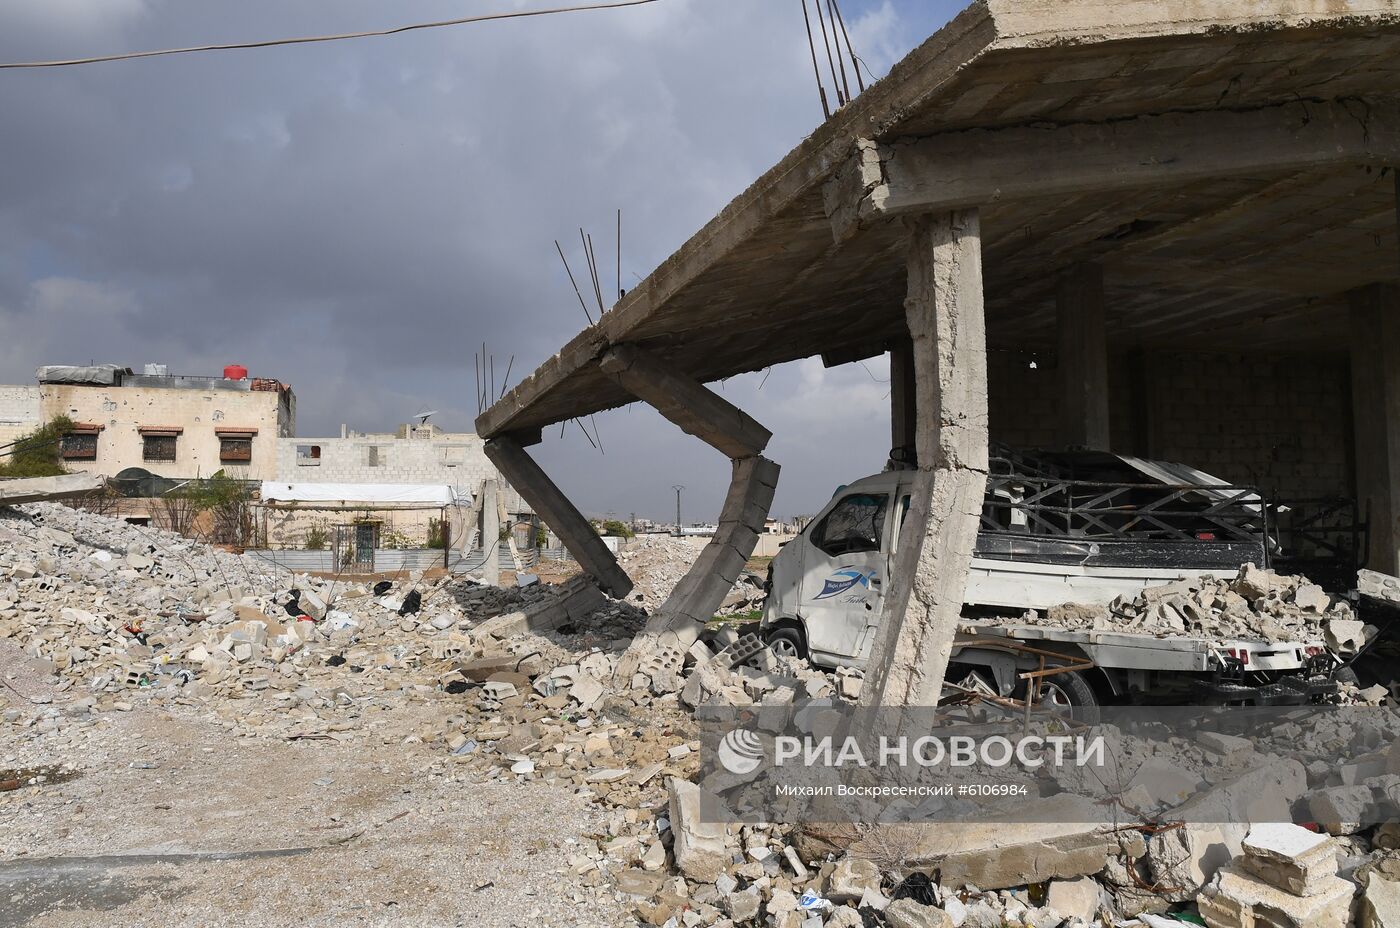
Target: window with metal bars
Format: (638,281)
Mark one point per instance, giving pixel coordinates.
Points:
(78,446)
(236,450)
(158,448)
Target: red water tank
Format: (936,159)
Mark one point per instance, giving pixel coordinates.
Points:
(235,372)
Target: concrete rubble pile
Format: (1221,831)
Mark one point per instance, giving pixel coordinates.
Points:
(656,563)
(1256,604)
(126,612)
(124,615)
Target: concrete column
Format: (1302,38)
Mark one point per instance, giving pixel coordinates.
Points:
(903,410)
(490,533)
(1083,358)
(1375,399)
(944,312)
(535,487)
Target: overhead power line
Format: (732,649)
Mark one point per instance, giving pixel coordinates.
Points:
(307,40)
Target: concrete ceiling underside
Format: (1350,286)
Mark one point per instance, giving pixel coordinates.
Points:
(1231,263)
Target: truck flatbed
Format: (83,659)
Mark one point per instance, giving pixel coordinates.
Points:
(1127,650)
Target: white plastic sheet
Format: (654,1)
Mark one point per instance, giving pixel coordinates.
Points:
(385,493)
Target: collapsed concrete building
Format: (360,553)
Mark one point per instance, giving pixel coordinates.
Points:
(1187,210)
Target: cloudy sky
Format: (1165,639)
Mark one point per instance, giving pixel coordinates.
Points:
(356,218)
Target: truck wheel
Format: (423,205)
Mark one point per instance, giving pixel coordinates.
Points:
(787,642)
(1068,692)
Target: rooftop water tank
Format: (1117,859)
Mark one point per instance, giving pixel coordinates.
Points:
(235,372)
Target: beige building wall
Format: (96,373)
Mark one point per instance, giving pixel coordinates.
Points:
(199,413)
(19,412)
(415,454)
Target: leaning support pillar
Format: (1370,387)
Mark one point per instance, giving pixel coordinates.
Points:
(718,422)
(535,487)
(943,309)
(1375,398)
(1083,359)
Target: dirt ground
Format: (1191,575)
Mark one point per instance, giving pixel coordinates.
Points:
(174,818)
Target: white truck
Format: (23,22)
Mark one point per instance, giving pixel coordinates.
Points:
(1071,528)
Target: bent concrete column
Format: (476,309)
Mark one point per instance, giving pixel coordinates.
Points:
(699,594)
(535,487)
(1083,359)
(943,309)
(718,422)
(1375,398)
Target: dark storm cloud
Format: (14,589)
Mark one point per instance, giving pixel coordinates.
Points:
(357,218)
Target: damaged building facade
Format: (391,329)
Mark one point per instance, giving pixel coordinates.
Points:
(1165,229)
(372,480)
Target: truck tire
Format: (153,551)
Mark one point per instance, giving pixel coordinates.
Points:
(1068,691)
(788,641)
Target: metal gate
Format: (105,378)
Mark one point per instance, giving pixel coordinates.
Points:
(354,547)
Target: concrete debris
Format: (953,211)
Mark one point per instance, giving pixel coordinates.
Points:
(35,489)
(701,848)
(1255,605)
(1380,904)
(1290,857)
(1238,899)
(1075,898)
(124,617)
(906,913)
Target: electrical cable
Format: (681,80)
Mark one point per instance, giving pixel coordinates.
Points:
(307,40)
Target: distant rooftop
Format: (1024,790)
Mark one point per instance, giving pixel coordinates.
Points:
(155,375)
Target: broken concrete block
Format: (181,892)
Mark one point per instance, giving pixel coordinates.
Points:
(799,869)
(1217,822)
(906,913)
(701,848)
(1074,898)
(1238,899)
(851,879)
(1380,904)
(312,605)
(1058,841)
(1254,583)
(743,906)
(1230,747)
(1290,857)
(1312,597)
(1378,586)
(585,690)
(499,689)
(1340,809)
(1164,784)
(845,917)
(1345,636)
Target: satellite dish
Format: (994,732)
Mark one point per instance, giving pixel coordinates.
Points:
(422,417)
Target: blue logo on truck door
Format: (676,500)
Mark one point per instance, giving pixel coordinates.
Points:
(843,580)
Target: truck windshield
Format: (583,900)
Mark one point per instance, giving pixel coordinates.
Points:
(856,523)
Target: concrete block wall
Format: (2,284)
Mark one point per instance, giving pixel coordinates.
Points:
(19,412)
(452,459)
(1279,422)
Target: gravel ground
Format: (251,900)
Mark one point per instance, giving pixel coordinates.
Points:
(375,833)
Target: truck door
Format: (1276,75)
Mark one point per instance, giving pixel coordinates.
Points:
(844,573)
(873,617)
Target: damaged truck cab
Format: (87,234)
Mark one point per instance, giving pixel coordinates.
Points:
(1056,528)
